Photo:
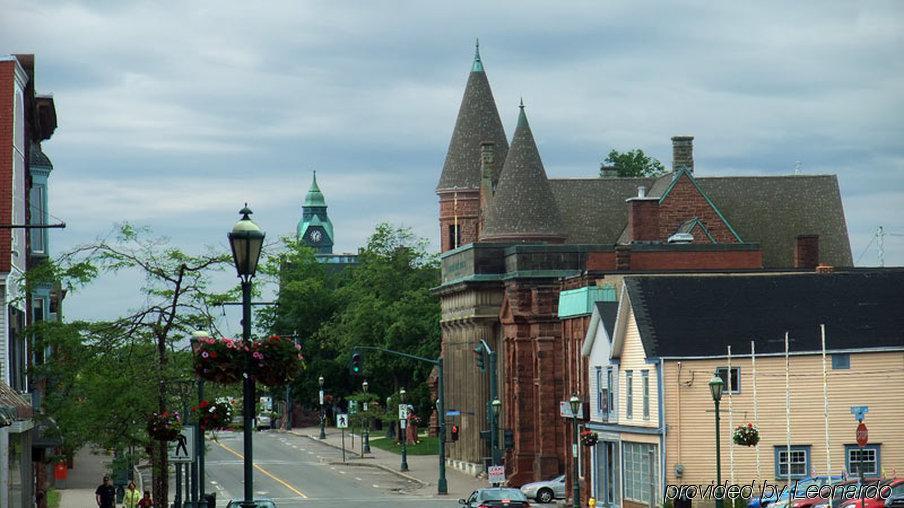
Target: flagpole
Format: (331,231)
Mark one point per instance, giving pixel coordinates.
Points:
(825,399)
(756,406)
(730,420)
(787,410)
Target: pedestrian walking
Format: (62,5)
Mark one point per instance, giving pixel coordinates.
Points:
(132,497)
(105,495)
(146,501)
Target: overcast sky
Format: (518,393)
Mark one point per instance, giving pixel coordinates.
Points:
(172,114)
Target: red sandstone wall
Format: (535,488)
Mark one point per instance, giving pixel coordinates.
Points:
(466,206)
(685,202)
(699,260)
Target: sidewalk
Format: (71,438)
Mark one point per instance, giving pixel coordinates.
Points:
(89,468)
(423,469)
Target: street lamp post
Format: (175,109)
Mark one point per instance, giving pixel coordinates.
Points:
(715,388)
(246,240)
(195,343)
(403,425)
(576,487)
(322,414)
(366,420)
(496,405)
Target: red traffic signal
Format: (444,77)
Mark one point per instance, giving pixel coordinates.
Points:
(455,432)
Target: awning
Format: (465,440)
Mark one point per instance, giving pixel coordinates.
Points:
(46,434)
(13,406)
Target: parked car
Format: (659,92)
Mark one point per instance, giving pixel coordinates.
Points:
(546,491)
(495,497)
(771,499)
(886,487)
(839,494)
(263,421)
(896,498)
(260,503)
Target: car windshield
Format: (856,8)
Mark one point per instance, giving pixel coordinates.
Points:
(898,490)
(499,494)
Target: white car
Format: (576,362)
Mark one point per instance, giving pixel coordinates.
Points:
(545,492)
(263,421)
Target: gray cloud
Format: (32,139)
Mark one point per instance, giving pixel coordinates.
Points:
(172,115)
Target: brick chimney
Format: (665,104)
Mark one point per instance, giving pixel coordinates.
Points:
(487,167)
(643,217)
(683,153)
(806,252)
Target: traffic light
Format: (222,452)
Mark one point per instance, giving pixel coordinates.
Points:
(356,366)
(480,357)
(454,433)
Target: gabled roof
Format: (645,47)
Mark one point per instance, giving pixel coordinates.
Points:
(769,210)
(695,316)
(523,205)
(478,121)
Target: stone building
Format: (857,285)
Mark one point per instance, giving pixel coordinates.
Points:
(524,257)
(315,229)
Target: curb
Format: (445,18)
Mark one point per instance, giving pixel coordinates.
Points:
(364,464)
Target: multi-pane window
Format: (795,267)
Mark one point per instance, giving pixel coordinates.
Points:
(798,460)
(610,390)
(734,381)
(640,472)
(841,361)
(645,384)
(629,394)
(601,398)
(866,458)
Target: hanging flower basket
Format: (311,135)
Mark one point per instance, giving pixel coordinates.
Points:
(276,360)
(589,438)
(220,361)
(213,415)
(165,426)
(746,435)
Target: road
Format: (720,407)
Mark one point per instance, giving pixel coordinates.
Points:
(296,471)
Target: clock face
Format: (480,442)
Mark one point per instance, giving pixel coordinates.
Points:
(316,235)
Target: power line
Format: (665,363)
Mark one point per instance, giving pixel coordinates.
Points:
(873,239)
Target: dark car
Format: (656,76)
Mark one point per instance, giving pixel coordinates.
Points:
(259,503)
(495,497)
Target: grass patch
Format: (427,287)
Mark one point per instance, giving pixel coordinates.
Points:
(53,498)
(427,446)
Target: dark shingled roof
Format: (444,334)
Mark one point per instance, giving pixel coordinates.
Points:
(769,210)
(686,316)
(478,121)
(523,205)
(608,312)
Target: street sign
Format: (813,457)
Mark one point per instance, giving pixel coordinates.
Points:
(321,397)
(496,474)
(403,411)
(453,412)
(862,435)
(353,407)
(341,421)
(859,412)
(565,409)
(182,451)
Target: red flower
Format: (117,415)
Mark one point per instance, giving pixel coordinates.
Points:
(213,354)
(750,425)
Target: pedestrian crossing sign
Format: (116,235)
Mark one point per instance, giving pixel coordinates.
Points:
(341,421)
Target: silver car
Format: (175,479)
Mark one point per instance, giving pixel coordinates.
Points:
(545,492)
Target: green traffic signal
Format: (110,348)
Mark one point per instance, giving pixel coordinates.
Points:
(356,365)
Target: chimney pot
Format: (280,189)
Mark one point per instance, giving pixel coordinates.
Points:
(683,153)
(641,191)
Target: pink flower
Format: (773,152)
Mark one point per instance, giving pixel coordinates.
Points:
(297,346)
(300,357)
(204,354)
(258,356)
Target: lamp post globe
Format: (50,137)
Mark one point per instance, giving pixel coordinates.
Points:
(715,388)
(497,405)
(320,380)
(246,241)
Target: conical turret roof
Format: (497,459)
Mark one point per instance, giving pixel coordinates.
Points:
(478,121)
(314,196)
(523,207)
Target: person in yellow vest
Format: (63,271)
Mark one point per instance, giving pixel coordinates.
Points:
(132,497)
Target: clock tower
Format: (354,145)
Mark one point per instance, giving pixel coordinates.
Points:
(315,228)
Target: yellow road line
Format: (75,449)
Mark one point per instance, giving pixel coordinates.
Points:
(262,470)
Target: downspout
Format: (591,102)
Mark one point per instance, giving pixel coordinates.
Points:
(661,389)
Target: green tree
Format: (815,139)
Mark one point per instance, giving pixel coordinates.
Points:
(104,378)
(634,163)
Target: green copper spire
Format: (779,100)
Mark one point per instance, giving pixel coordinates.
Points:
(314,197)
(522,118)
(478,65)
